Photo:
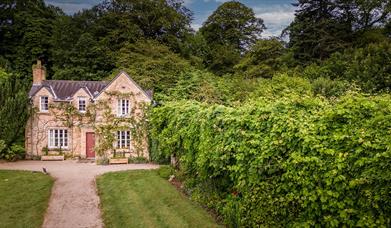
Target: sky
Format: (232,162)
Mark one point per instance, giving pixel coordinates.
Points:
(277,14)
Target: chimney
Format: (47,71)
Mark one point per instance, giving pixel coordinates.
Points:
(39,73)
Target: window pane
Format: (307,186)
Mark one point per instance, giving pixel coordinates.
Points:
(60,138)
(82,104)
(118,139)
(65,138)
(56,138)
(51,138)
(44,101)
(127,139)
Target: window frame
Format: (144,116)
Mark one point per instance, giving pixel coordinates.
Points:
(59,136)
(123,107)
(123,139)
(84,99)
(41,104)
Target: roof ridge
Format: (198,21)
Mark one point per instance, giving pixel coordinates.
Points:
(60,80)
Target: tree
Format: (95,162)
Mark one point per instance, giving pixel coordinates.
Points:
(124,21)
(233,24)
(151,64)
(86,60)
(13,113)
(25,32)
(230,31)
(262,60)
(369,67)
(315,33)
(322,27)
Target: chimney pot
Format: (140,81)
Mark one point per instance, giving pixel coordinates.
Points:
(39,73)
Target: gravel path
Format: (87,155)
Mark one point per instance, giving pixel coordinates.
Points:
(74,201)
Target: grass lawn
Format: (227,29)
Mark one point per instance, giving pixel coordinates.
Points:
(24,197)
(144,199)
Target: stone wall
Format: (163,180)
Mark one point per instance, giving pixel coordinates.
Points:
(41,122)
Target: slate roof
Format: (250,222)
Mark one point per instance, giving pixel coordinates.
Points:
(64,89)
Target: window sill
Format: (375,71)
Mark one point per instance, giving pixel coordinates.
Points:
(123,117)
(57,149)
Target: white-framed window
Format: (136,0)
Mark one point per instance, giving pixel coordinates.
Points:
(123,107)
(123,139)
(58,138)
(44,103)
(82,104)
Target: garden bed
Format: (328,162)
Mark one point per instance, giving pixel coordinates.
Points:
(118,161)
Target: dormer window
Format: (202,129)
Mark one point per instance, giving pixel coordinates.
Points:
(44,104)
(123,107)
(82,105)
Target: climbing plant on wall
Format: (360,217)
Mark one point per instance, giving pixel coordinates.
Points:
(103,119)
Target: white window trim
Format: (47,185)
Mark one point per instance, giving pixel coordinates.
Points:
(120,104)
(127,143)
(52,138)
(40,104)
(85,104)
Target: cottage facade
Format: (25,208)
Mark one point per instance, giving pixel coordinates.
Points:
(86,118)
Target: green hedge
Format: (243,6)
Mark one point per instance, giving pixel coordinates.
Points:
(293,161)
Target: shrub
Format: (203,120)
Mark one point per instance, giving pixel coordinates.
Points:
(369,67)
(329,88)
(165,171)
(45,150)
(137,160)
(13,153)
(102,161)
(291,161)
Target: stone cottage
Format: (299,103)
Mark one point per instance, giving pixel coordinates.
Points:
(86,118)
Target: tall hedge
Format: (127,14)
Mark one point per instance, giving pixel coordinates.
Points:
(293,161)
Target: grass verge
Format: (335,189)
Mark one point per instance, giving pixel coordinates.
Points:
(24,197)
(143,199)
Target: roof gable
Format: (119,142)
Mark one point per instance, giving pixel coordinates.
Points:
(123,73)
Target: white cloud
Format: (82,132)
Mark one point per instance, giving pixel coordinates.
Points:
(196,26)
(70,8)
(187,2)
(217,0)
(276,18)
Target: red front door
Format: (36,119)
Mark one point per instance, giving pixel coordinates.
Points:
(90,144)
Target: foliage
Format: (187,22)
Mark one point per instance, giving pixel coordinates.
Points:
(322,27)
(330,88)
(262,60)
(137,160)
(13,153)
(24,198)
(13,113)
(102,161)
(231,30)
(199,85)
(165,171)
(232,24)
(25,32)
(151,64)
(369,67)
(85,60)
(290,161)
